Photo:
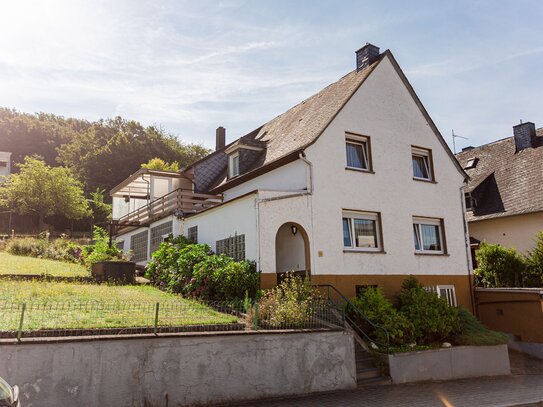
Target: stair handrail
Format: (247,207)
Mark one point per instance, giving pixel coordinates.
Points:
(361,314)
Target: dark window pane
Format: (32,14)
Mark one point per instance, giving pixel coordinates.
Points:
(356,155)
(347,232)
(365,233)
(420,167)
(430,237)
(416,236)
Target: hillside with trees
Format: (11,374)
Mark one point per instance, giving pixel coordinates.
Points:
(100,154)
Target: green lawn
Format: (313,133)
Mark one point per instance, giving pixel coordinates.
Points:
(57,305)
(10,264)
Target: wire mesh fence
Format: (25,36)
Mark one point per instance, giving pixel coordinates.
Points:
(56,319)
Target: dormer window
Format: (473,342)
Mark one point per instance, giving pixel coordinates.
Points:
(470,201)
(233,165)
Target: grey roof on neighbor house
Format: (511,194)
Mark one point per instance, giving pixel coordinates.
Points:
(505,182)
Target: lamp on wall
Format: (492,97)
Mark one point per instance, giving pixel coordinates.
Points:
(294,229)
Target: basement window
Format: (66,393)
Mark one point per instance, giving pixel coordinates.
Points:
(444,291)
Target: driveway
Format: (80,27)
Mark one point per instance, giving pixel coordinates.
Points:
(523,388)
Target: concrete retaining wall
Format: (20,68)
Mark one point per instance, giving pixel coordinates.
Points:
(178,371)
(451,363)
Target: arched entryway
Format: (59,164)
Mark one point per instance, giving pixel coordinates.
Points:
(292,250)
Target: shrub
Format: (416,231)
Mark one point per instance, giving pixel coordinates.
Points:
(291,304)
(99,250)
(534,269)
(499,267)
(373,304)
(194,270)
(57,249)
(473,333)
(432,317)
(163,261)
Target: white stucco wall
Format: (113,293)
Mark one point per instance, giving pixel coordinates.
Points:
(511,231)
(290,177)
(236,217)
(384,110)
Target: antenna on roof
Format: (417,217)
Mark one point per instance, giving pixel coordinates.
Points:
(454,137)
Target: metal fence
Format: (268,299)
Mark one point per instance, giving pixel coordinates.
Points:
(56,319)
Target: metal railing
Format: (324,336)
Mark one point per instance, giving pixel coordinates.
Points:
(179,199)
(29,319)
(335,296)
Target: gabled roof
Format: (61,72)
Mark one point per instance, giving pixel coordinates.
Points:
(289,133)
(504,182)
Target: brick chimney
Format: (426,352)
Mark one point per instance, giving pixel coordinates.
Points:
(220,138)
(366,56)
(525,136)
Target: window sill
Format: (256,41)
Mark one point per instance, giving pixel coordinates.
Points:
(429,181)
(364,251)
(359,170)
(431,254)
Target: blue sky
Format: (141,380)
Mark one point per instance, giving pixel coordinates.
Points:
(191,66)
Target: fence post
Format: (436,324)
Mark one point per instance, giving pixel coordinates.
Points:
(255,322)
(20,330)
(157,307)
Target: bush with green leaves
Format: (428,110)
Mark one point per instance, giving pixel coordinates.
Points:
(53,249)
(289,305)
(498,266)
(380,311)
(534,264)
(432,317)
(99,249)
(194,270)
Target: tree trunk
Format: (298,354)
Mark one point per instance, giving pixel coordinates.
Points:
(41,222)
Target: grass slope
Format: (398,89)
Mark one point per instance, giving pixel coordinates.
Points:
(11,264)
(473,333)
(58,305)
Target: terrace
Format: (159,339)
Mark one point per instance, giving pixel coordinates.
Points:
(149,195)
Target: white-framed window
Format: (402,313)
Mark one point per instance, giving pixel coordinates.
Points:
(428,235)
(444,291)
(422,164)
(357,152)
(192,234)
(361,231)
(233,165)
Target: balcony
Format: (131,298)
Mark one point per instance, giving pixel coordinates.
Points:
(179,202)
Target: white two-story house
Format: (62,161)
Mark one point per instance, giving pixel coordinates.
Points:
(354,186)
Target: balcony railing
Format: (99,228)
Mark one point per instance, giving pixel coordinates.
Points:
(179,201)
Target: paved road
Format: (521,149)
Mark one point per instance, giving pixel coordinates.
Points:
(524,388)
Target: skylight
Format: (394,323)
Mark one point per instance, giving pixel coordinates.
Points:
(472,163)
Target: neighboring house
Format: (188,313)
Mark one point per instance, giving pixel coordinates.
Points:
(504,197)
(354,186)
(5,165)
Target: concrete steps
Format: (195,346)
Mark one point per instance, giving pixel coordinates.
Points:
(367,373)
